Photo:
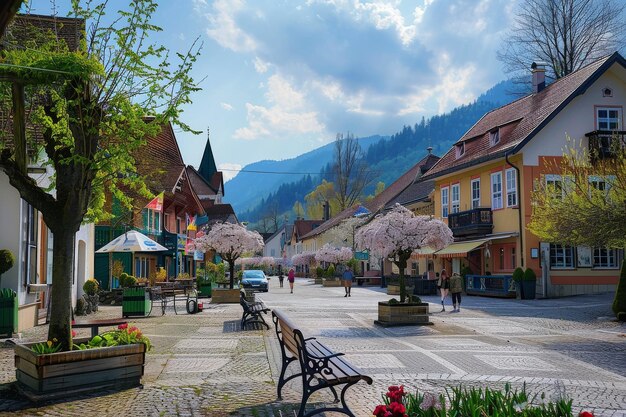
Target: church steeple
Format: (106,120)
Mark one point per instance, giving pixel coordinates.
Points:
(207,165)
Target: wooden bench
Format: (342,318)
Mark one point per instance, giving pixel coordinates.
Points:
(95,325)
(252,312)
(367,280)
(320,367)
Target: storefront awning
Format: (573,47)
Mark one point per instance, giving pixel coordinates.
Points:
(460,249)
(423,252)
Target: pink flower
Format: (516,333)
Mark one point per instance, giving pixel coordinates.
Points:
(73,333)
(122,326)
(430,401)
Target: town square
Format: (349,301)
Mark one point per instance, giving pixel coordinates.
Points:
(379,208)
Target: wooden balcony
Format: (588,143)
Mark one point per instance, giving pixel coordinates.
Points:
(477,221)
(605,143)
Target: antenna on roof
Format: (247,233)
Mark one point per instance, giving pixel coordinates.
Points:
(429,149)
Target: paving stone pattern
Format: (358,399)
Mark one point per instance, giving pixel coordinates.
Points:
(206,365)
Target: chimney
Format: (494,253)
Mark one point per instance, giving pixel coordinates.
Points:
(538,70)
(326,210)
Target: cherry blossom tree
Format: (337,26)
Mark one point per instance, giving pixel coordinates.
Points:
(398,233)
(230,241)
(304,258)
(330,254)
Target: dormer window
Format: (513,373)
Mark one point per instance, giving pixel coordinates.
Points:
(460,150)
(494,137)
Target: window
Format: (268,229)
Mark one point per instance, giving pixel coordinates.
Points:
(511,187)
(501,256)
(29,243)
(475,193)
(151,220)
(444,202)
(554,185)
(561,256)
(513,264)
(414,269)
(606,258)
(141,267)
(166,221)
(609,118)
(179,225)
(456,198)
(460,150)
(49,254)
(494,137)
(496,190)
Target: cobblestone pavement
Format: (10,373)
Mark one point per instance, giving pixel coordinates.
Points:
(205,365)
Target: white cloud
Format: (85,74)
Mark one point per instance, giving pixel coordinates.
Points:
(229,170)
(226,106)
(286,115)
(224,29)
(260,66)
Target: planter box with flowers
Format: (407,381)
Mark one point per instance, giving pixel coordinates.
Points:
(394,289)
(393,313)
(332,282)
(113,360)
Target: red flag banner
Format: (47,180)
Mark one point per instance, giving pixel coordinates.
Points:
(157,203)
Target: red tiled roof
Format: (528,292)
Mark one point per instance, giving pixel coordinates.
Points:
(520,120)
(379,202)
(198,183)
(302,227)
(160,158)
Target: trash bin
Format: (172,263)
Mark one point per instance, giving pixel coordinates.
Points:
(8,312)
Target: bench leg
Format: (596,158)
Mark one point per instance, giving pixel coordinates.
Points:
(344,407)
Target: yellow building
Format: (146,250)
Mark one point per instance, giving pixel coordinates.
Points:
(483,183)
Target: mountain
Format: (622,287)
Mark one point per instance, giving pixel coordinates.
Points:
(390,157)
(247,189)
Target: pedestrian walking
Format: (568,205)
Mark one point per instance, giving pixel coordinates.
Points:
(348,276)
(291,277)
(444,286)
(456,288)
(281,278)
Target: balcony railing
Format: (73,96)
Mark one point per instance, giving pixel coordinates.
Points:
(477,221)
(605,143)
(492,285)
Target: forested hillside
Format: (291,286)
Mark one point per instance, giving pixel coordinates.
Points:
(387,157)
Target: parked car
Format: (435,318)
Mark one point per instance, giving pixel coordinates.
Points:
(255,279)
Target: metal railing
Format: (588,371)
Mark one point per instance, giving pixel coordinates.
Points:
(605,143)
(493,285)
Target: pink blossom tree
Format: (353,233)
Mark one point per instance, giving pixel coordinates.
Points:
(398,233)
(304,258)
(230,241)
(330,254)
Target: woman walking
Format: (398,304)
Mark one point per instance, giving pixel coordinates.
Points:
(444,287)
(291,277)
(456,288)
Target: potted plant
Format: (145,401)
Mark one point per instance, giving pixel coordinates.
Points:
(529,284)
(114,359)
(319,275)
(393,286)
(518,277)
(395,235)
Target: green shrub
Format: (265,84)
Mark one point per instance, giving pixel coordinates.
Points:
(518,275)
(127,280)
(330,272)
(619,303)
(393,301)
(529,275)
(319,272)
(415,299)
(91,286)
(6,260)
(465,271)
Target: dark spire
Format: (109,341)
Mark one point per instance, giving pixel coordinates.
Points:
(207,166)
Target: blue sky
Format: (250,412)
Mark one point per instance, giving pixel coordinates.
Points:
(283,77)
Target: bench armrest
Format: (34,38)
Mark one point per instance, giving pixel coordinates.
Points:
(334,355)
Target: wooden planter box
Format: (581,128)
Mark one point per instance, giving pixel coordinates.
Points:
(332,283)
(55,375)
(225,296)
(402,314)
(393,289)
(136,302)
(319,281)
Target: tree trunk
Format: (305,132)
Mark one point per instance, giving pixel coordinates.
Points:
(61,296)
(231,267)
(403,257)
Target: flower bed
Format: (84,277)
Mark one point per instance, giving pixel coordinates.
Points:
(481,402)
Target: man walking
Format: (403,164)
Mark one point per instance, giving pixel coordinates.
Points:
(456,288)
(348,276)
